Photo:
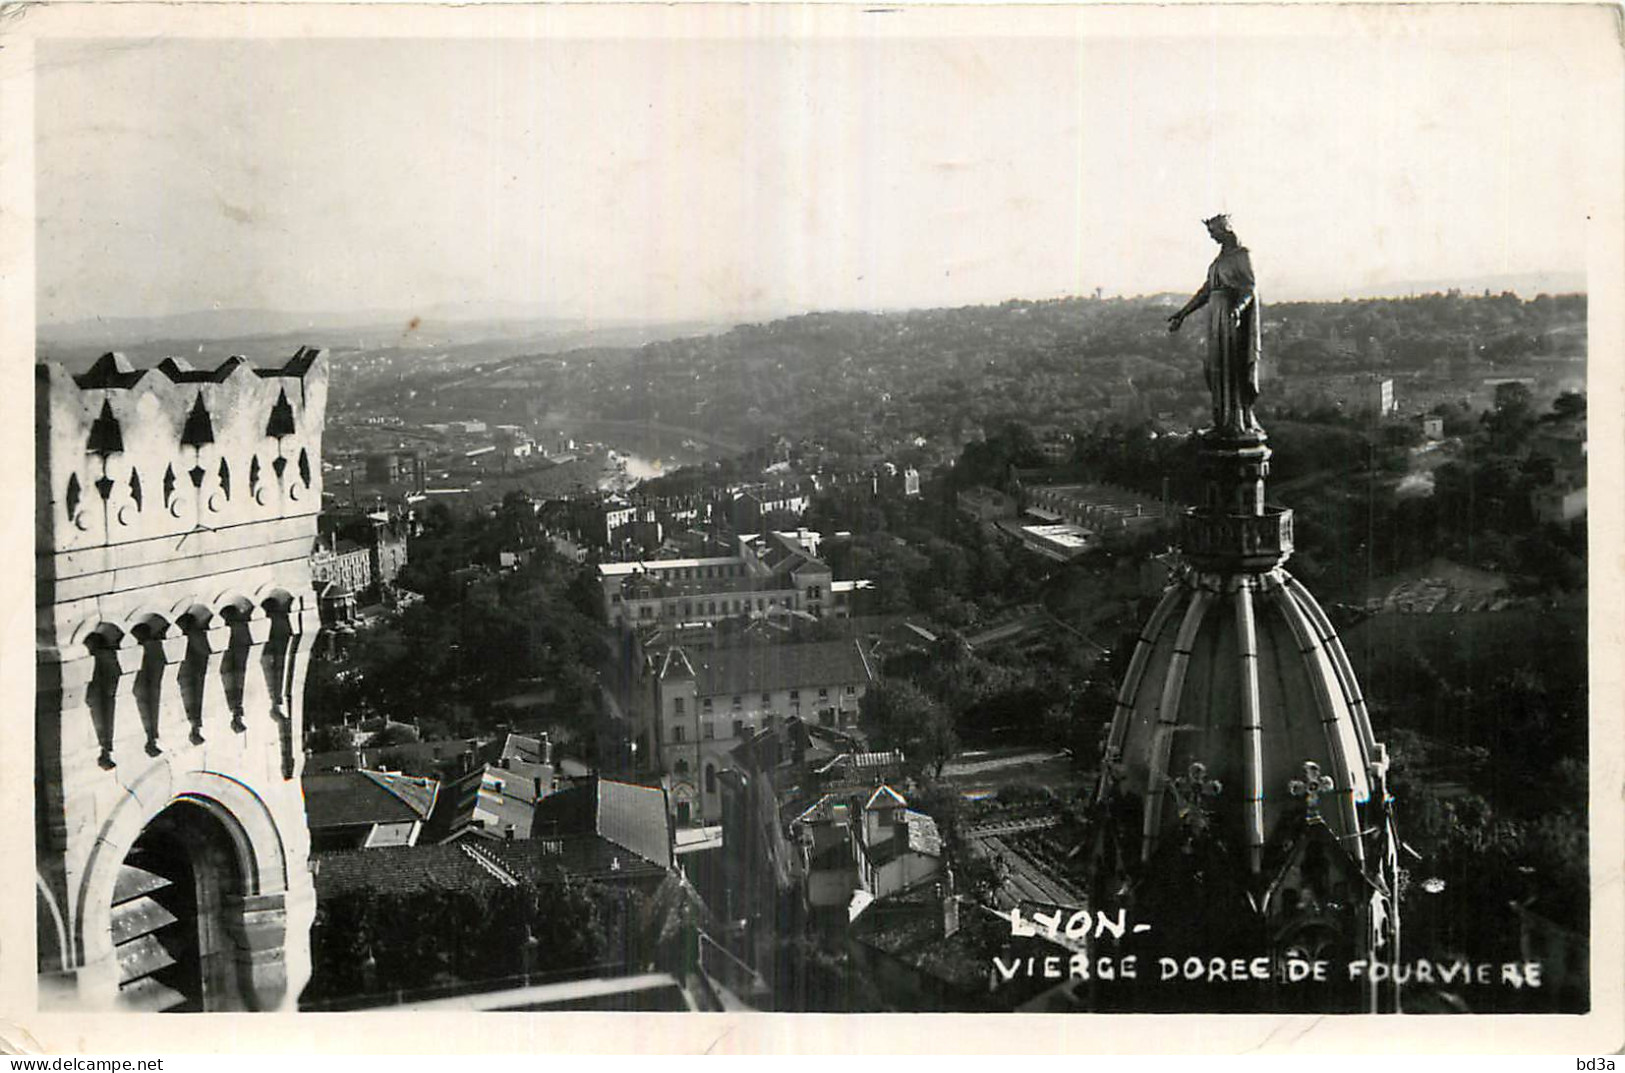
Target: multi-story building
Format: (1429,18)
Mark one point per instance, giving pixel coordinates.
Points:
(864,840)
(175,510)
(752,506)
(705,702)
(352,555)
(616,512)
(771,574)
(341,562)
(1103,509)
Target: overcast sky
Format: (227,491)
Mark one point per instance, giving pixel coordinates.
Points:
(776,172)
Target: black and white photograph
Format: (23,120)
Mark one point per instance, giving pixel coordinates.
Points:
(776,509)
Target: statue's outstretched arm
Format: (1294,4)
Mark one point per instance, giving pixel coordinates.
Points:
(1198,300)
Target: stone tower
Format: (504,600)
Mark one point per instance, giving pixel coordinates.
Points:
(175,510)
(1242,809)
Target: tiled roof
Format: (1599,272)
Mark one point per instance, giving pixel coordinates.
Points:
(422,754)
(886,798)
(676,664)
(625,815)
(397,868)
(923,836)
(772,667)
(517,747)
(418,792)
(910,930)
(822,810)
(635,817)
(452,867)
(583,856)
(347,798)
(857,762)
(489,800)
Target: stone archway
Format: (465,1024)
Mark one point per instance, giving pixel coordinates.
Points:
(176,901)
(186,902)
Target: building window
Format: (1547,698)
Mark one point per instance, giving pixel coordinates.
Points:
(823,694)
(688,608)
(851,690)
(677,705)
(710,778)
(795,694)
(705,705)
(677,735)
(710,730)
(767,700)
(739,728)
(681,767)
(739,702)
(813,592)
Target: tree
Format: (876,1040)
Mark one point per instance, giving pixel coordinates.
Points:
(328,739)
(1513,417)
(902,716)
(1570,405)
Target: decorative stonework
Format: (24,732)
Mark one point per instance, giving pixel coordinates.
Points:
(1309,786)
(1239,666)
(1252,542)
(174,616)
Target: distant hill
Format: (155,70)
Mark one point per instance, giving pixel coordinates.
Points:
(1523,284)
(209,336)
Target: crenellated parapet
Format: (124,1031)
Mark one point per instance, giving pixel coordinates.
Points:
(174,616)
(134,454)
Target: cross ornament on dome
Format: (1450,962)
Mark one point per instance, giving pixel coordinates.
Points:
(1195,791)
(1310,787)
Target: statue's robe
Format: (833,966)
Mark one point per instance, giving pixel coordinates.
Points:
(1233,351)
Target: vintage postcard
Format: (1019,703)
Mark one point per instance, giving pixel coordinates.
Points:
(773,513)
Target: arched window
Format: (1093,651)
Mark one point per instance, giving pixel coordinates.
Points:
(710,778)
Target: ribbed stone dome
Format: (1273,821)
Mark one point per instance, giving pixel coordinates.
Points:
(1240,699)
(1243,798)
